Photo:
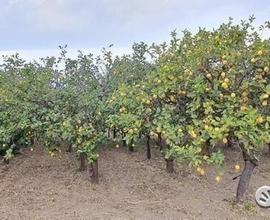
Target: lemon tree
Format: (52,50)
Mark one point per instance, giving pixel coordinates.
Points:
(220,79)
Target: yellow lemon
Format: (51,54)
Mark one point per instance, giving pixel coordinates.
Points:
(237,167)
(243,108)
(152,133)
(172,98)
(265,96)
(218,178)
(148,110)
(259,120)
(259,53)
(245,99)
(202,172)
(225,85)
(244,94)
(226,80)
(223,74)
(193,134)
(264,103)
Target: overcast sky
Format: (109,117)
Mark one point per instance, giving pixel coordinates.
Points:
(37,27)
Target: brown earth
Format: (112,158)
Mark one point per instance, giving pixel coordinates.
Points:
(37,186)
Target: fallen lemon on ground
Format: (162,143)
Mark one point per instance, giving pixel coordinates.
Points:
(199,169)
(237,167)
(202,172)
(218,178)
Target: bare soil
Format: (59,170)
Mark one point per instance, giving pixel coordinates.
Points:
(37,186)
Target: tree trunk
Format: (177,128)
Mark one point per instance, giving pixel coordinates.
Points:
(160,142)
(108,132)
(148,147)
(169,165)
(124,143)
(245,177)
(34,142)
(206,148)
(114,133)
(269,149)
(230,143)
(69,147)
(82,157)
(6,161)
(93,171)
(130,146)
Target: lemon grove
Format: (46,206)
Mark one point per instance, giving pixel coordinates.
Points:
(190,96)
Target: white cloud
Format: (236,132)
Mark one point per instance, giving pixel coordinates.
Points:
(50,15)
(134,13)
(66,15)
(93,23)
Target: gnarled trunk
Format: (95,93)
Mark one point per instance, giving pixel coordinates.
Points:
(160,142)
(206,150)
(131,146)
(243,184)
(6,161)
(148,147)
(124,140)
(108,132)
(69,148)
(93,171)
(114,133)
(82,158)
(230,143)
(169,165)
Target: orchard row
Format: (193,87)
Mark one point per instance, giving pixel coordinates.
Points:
(190,96)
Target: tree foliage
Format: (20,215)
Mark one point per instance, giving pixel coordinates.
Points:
(195,92)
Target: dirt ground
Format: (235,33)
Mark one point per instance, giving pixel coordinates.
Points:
(37,186)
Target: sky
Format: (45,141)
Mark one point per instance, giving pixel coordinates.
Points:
(37,27)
